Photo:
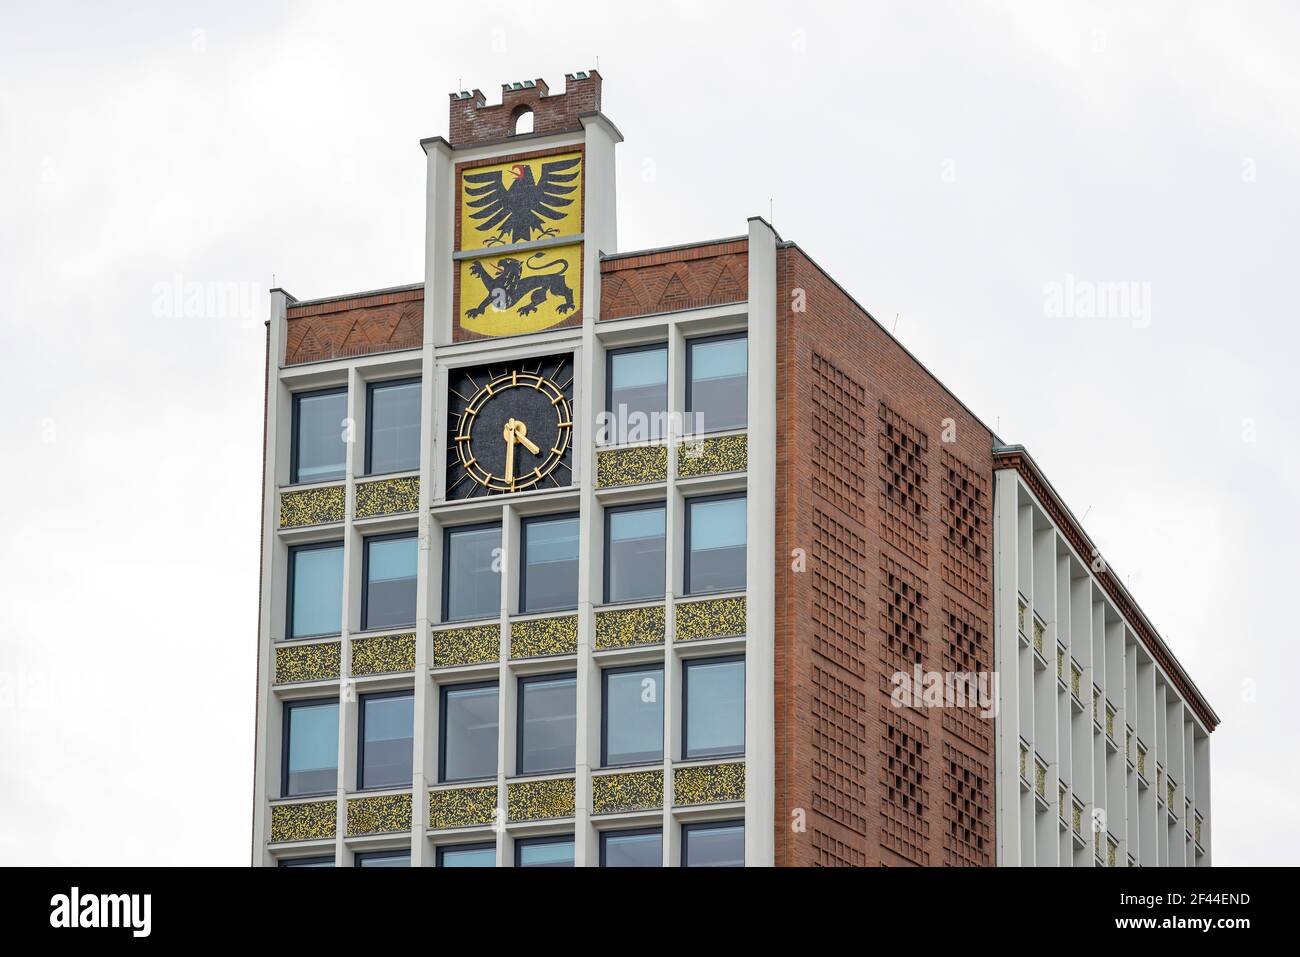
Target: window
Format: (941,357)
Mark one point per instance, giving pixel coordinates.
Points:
(468,855)
(388,570)
(714,845)
(384,859)
(548,577)
(548,723)
(471,572)
(636,394)
(640,848)
(715,544)
(319,452)
(717,382)
(632,715)
(545,852)
(634,552)
(385,732)
(523,121)
(310,763)
(713,707)
(306,862)
(469,732)
(393,427)
(315,590)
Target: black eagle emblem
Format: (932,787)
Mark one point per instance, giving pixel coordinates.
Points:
(515,214)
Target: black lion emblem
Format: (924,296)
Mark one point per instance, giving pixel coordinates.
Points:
(510,285)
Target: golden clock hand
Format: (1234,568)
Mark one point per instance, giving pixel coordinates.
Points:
(509,435)
(521,433)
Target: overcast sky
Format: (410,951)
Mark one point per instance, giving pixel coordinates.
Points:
(951,165)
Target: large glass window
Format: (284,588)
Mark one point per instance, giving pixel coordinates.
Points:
(717,382)
(319,450)
(715,544)
(471,572)
(306,862)
(545,852)
(385,730)
(311,747)
(713,713)
(469,732)
(315,590)
(634,552)
(393,427)
(384,859)
(640,848)
(548,723)
(468,855)
(636,393)
(548,577)
(389,572)
(632,715)
(714,845)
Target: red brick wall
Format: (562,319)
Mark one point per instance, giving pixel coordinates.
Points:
(473,122)
(353,327)
(669,280)
(895,525)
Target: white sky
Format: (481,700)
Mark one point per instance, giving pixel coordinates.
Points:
(944,162)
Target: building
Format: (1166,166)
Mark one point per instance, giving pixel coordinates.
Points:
(573,555)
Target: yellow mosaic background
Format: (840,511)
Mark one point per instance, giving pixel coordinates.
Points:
(318,662)
(541,637)
(310,821)
(708,784)
(462,807)
(628,627)
(537,800)
(522,315)
(388,497)
(714,618)
(313,506)
(569,222)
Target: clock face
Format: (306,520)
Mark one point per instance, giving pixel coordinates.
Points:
(511,427)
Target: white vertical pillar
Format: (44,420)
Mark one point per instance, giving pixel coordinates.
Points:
(1006,656)
(263,774)
(760,567)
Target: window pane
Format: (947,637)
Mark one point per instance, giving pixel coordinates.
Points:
(546,853)
(547,724)
(390,582)
(307,862)
(719,383)
(638,394)
(636,554)
(320,453)
(473,583)
(717,536)
(394,440)
(469,733)
(387,742)
(633,849)
(550,564)
(473,856)
(317,598)
(634,716)
(715,708)
(313,744)
(384,860)
(720,845)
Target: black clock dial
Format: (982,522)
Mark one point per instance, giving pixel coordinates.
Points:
(511,427)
